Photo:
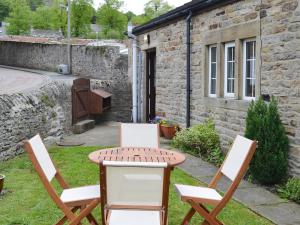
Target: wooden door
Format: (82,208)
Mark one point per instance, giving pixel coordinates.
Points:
(150,85)
(80,100)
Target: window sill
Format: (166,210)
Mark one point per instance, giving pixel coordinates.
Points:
(227,103)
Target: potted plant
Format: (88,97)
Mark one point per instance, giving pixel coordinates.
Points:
(1,182)
(168,128)
(157,120)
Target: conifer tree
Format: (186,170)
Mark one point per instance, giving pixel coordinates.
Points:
(270,162)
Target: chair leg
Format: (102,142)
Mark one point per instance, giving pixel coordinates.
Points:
(86,211)
(65,218)
(188,217)
(92,219)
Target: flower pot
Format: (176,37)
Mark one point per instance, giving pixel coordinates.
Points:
(161,134)
(1,182)
(168,131)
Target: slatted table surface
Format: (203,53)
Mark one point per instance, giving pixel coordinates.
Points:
(138,155)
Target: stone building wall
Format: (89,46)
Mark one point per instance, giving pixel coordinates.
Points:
(104,63)
(22,115)
(276,26)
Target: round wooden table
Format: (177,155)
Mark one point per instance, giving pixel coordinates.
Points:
(138,154)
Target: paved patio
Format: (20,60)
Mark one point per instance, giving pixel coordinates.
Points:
(261,201)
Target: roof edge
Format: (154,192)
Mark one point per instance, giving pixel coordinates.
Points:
(179,12)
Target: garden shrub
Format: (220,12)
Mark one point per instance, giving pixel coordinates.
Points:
(202,140)
(291,190)
(269,164)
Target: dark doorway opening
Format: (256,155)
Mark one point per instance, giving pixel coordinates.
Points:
(150,84)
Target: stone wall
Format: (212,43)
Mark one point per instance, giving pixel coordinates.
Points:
(276,26)
(46,111)
(99,62)
(103,63)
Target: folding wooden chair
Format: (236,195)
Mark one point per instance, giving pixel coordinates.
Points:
(72,199)
(139,135)
(134,193)
(234,167)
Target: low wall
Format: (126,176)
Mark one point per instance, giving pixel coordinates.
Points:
(46,110)
(99,62)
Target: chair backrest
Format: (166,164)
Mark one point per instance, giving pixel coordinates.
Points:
(134,184)
(139,135)
(37,147)
(237,157)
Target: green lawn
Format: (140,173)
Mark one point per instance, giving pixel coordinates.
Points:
(27,203)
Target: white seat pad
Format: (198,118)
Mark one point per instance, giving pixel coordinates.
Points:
(134,217)
(80,193)
(187,191)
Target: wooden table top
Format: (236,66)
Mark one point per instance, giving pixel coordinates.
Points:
(137,154)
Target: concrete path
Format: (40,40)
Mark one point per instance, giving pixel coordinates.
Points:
(18,80)
(258,199)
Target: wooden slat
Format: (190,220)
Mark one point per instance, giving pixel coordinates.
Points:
(138,155)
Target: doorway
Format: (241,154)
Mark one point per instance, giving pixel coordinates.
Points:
(150,84)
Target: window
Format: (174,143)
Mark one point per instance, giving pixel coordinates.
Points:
(229,70)
(249,69)
(212,71)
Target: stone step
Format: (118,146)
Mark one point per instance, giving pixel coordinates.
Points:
(83,126)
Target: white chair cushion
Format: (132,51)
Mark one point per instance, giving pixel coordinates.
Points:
(134,217)
(80,193)
(197,193)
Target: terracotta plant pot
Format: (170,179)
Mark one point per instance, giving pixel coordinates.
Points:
(168,131)
(161,134)
(1,182)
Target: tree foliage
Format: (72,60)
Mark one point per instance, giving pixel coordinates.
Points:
(4,9)
(269,164)
(34,4)
(19,18)
(46,18)
(111,19)
(153,9)
(82,14)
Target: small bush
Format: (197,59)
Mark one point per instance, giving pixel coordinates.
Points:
(202,140)
(291,190)
(269,164)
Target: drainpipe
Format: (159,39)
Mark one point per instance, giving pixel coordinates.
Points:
(134,72)
(188,69)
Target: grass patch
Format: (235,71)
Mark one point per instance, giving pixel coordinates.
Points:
(26,202)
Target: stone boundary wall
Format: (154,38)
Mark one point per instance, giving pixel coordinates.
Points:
(104,63)
(98,62)
(22,115)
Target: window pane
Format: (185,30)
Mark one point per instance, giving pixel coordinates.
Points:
(213,86)
(213,72)
(230,70)
(213,54)
(230,56)
(250,87)
(230,86)
(250,69)
(250,48)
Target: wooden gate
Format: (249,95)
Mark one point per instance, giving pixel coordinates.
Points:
(80,100)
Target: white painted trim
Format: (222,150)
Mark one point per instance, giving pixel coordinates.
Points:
(245,68)
(135,164)
(209,65)
(228,45)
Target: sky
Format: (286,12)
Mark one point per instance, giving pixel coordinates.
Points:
(137,6)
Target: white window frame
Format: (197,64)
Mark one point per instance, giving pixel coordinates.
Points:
(227,46)
(209,64)
(245,68)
